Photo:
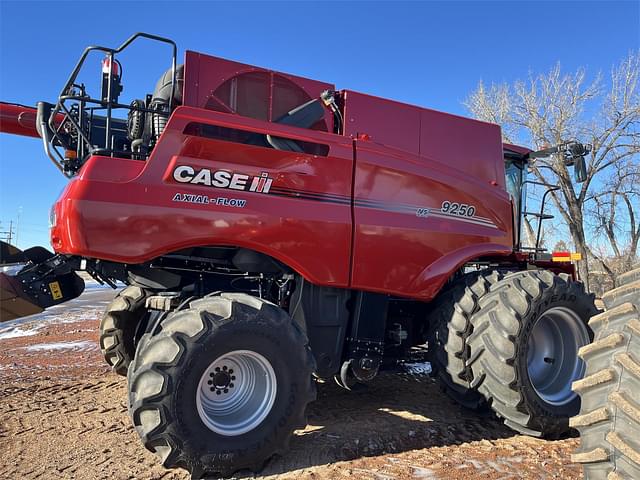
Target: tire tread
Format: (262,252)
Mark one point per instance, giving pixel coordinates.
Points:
(117,328)
(617,434)
(201,317)
(450,324)
(494,360)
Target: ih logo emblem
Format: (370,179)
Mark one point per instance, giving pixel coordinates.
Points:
(223,179)
(261,184)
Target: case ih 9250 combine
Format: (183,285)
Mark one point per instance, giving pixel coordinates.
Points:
(273,231)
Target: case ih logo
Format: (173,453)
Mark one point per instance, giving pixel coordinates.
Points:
(223,179)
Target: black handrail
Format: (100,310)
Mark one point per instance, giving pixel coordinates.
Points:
(109,104)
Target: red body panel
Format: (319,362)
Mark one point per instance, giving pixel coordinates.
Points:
(418,160)
(137,220)
(469,146)
(399,252)
(366,216)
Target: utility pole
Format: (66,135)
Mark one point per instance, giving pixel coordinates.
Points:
(8,234)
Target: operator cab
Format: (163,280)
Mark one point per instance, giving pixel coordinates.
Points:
(516,161)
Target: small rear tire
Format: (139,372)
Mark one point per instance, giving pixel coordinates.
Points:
(119,325)
(609,419)
(221,385)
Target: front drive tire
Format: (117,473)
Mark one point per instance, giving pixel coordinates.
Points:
(609,419)
(222,385)
(524,349)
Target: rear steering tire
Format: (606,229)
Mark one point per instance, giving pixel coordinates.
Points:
(524,346)
(221,385)
(118,328)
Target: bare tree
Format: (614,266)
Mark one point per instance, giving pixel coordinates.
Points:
(552,108)
(613,214)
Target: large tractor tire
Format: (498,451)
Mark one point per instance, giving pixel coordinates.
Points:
(524,349)
(450,327)
(118,328)
(220,386)
(609,419)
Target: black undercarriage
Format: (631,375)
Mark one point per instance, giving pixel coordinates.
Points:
(352,334)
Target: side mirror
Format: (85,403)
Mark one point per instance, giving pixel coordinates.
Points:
(573,154)
(579,169)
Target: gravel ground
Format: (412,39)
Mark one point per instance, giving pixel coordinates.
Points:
(63,415)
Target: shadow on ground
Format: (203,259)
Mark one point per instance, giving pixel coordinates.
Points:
(395,414)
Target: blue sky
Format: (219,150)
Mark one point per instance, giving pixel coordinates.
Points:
(427,53)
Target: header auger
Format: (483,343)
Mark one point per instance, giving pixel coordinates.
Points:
(271,230)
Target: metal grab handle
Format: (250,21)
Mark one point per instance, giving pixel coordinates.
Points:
(43,109)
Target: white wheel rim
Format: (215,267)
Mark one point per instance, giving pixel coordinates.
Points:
(236,392)
(553,363)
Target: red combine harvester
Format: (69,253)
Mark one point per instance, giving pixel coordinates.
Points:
(272,231)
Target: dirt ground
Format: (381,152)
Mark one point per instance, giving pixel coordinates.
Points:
(63,416)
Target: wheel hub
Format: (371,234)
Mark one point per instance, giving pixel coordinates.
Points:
(236,392)
(221,380)
(553,363)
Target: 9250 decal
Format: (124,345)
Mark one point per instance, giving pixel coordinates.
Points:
(448,209)
(455,208)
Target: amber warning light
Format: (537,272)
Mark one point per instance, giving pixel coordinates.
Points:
(565,256)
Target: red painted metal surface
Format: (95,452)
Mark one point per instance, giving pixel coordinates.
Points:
(137,220)
(369,215)
(226,86)
(404,244)
(516,148)
(463,144)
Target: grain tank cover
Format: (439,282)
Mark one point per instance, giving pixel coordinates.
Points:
(468,145)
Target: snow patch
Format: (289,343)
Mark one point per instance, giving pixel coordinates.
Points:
(80,345)
(92,285)
(418,368)
(423,473)
(15,332)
